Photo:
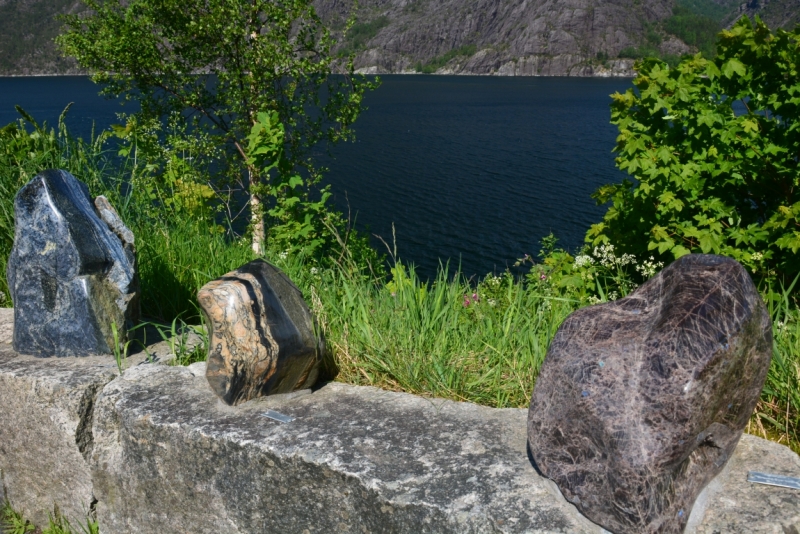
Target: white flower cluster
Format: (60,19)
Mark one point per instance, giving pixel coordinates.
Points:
(649,267)
(283,255)
(492,281)
(605,255)
(583,260)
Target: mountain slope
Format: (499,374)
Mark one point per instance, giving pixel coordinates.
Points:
(27,29)
(516,37)
(506,37)
(775,13)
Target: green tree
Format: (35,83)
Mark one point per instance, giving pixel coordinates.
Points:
(252,79)
(713,145)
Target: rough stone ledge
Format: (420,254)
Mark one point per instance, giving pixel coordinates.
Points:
(46,412)
(167,455)
(46,408)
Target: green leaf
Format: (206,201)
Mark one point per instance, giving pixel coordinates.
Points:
(733,66)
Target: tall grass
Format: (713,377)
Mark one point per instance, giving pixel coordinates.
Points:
(176,259)
(13,522)
(445,339)
(777,415)
(423,339)
(176,255)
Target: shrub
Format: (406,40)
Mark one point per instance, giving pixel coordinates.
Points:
(713,146)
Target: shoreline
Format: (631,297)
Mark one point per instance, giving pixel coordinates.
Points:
(370,73)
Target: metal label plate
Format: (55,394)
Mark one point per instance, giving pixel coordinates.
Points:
(276,416)
(773,480)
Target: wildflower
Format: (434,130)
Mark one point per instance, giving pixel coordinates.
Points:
(605,255)
(542,276)
(583,260)
(283,255)
(475,297)
(314,271)
(492,302)
(466,301)
(649,267)
(757,256)
(492,281)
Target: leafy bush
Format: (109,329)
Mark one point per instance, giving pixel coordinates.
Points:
(713,9)
(713,145)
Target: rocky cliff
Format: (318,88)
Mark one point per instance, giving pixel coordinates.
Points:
(506,37)
(27,30)
(503,37)
(776,13)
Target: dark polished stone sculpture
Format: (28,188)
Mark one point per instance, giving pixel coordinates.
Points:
(640,402)
(262,335)
(72,270)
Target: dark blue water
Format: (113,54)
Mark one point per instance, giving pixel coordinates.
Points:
(46,97)
(474,169)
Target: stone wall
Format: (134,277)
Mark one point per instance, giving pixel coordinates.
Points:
(154,450)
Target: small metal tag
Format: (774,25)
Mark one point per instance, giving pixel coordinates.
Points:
(277,416)
(773,480)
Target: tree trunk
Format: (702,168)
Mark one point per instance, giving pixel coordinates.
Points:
(256,217)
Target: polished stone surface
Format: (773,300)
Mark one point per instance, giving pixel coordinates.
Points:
(640,402)
(72,270)
(262,334)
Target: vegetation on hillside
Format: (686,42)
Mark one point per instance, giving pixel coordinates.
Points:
(693,29)
(440,61)
(359,34)
(689,23)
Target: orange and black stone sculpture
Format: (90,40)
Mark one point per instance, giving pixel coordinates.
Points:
(262,339)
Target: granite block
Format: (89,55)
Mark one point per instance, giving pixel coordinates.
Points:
(46,410)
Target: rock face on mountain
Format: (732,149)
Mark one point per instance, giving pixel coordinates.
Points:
(517,37)
(502,37)
(27,30)
(776,13)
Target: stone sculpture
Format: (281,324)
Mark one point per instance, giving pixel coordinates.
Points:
(640,402)
(72,270)
(262,334)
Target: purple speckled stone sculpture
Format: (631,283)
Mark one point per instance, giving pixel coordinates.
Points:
(640,402)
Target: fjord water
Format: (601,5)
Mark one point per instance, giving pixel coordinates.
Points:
(471,169)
